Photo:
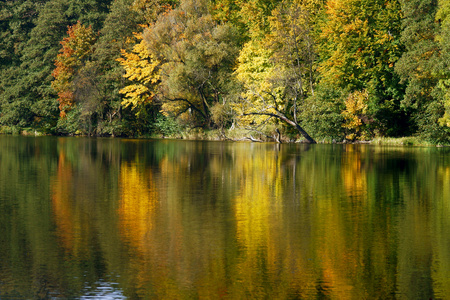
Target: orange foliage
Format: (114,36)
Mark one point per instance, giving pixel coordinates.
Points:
(74,50)
(65,102)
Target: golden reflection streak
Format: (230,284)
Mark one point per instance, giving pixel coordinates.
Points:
(154,232)
(61,201)
(194,254)
(259,217)
(268,263)
(138,198)
(339,245)
(353,173)
(137,203)
(190,256)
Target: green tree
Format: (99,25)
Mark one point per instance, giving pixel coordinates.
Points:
(28,99)
(443,16)
(16,23)
(417,66)
(251,18)
(99,81)
(359,46)
(196,58)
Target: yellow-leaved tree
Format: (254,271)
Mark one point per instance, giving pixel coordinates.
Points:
(184,61)
(142,69)
(277,71)
(253,71)
(355,115)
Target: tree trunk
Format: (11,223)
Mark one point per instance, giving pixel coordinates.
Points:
(298,127)
(281,116)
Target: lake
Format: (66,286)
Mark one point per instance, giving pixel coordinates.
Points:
(85,218)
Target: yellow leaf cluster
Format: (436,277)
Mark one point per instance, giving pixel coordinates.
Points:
(355,108)
(255,71)
(143,70)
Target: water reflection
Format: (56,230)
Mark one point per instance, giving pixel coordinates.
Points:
(89,218)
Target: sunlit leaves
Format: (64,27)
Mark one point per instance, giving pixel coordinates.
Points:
(359,41)
(142,69)
(273,70)
(355,111)
(254,70)
(197,56)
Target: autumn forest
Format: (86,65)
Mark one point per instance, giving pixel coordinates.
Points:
(289,70)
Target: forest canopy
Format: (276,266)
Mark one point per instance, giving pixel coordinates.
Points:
(289,70)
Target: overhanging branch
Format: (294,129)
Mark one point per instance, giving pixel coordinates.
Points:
(191,105)
(282,117)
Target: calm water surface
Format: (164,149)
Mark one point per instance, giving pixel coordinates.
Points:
(139,219)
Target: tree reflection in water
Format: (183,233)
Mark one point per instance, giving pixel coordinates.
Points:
(178,219)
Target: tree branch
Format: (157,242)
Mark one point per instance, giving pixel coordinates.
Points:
(282,117)
(191,105)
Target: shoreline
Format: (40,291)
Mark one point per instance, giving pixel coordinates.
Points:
(239,136)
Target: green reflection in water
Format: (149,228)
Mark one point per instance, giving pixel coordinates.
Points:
(180,220)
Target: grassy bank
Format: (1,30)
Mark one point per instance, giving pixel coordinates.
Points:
(14,130)
(402,141)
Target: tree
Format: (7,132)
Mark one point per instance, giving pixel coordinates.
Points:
(17,21)
(143,69)
(359,46)
(251,17)
(73,55)
(196,58)
(105,72)
(416,67)
(149,10)
(99,79)
(293,44)
(355,107)
(274,77)
(29,99)
(442,68)
(98,82)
